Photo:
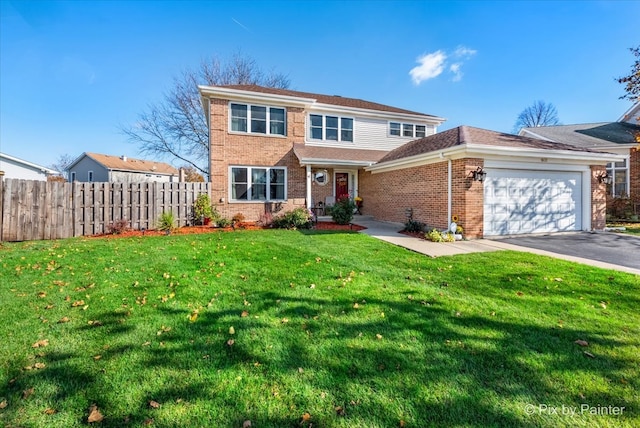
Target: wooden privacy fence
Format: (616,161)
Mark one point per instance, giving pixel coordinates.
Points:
(31,210)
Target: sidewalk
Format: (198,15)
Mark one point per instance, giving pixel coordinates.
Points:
(388,232)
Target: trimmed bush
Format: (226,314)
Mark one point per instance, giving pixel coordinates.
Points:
(299,218)
(342,211)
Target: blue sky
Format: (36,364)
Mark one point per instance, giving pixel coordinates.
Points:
(71,73)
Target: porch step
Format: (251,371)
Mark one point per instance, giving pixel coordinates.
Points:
(356,218)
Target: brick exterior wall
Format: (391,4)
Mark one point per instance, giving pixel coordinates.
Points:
(424,189)
(598,199)
(254,150)
(634,174)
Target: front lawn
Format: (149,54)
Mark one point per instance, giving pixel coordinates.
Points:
(290,329)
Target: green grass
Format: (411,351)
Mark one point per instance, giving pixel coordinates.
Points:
(352,331)
(632,228)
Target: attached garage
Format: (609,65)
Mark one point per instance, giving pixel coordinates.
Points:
(526,201)
(527,186)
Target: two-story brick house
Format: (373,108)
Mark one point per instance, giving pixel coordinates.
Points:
(275,149)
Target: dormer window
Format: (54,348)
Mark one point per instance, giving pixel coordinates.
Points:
(254,119)
(330,128)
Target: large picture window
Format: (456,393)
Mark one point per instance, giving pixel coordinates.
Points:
(258,183)
(619,171)
(332,128)
(258,119)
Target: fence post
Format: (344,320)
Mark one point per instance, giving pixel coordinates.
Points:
(1,203)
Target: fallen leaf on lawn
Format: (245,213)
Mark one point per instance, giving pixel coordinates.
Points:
(27,393)
(63,320)
(3,404)
(154,404)
(42,294)
(146,344)
(163,329)
(339,410)
(589,354)
(312,286)
(246,424)
(148,421)
(77,303)
(97,357)
(94,414)
(355,305)
(379,336)
(49,307)
(244,314)
(94,322)
(402,423)
(232,330)
(285,320)
(50,411)
(306,417)
(300,370)
(230,342)
(39,365)
(520,293)
(604,305)
(581,342)
(194,316)
(39,343)
(557,279)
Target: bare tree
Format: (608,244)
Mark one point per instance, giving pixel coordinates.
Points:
(537,114)
(632,81)
(62,163)
(176,127)
(192,175)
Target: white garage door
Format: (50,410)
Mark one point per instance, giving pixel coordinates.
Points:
(522,201)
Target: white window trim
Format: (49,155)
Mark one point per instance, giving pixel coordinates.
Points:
(324,128)
(611,169)
(268,120)
(268,184)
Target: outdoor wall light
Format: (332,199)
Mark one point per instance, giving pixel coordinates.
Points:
(605,178)
(479,174)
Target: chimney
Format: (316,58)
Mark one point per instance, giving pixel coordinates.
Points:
(124,158)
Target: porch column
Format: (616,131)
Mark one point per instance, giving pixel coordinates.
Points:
(309,187)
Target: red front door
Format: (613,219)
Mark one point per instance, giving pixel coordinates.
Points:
(342,184)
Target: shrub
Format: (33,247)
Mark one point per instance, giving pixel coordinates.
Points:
(342,211)
(238,218)
(266,219)
(223,222)
(299,218)
(437,236)
(414,226)
(167,222)
(202,209)
(117,227)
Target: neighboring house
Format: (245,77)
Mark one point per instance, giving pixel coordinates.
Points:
(621,137)
(106,168)
(13,167)
(276,149)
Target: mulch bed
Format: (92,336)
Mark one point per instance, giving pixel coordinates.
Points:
(186,230)
(413,234)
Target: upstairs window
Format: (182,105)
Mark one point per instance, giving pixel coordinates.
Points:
(409,130)
(258,119)
(332,128)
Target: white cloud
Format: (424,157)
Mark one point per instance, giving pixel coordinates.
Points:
(431,65)
(455,69)
(464,52)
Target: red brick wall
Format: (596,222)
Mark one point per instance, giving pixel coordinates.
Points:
(424,189)
(254,150)
(634,174)
(598,198)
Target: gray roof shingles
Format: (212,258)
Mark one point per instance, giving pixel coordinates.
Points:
(470,135)
(589,135)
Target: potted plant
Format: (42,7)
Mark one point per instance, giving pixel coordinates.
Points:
(202,210)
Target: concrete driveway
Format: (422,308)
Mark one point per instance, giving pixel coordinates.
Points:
(613,248)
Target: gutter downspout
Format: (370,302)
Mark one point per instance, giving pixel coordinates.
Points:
(449,192)
(308,186)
